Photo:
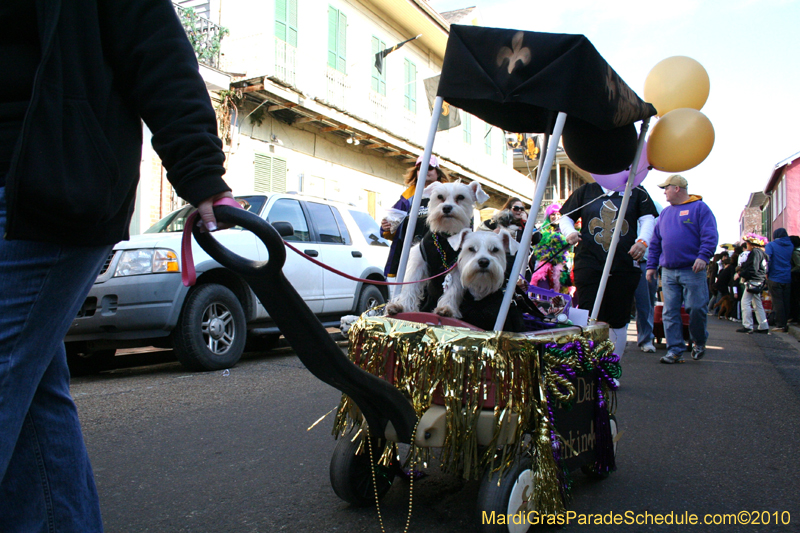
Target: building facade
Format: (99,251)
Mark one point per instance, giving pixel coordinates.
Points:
(304,107)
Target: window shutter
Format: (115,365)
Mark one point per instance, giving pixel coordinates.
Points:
(341,44)
(376,84)
(411,86)
(269,174)
(280,19)
(291,30)
(333,18)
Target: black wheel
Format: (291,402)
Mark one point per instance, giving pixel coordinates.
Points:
(210,334)
(507,496)
(587,469)
(351,474)
(370,297)
(83,362)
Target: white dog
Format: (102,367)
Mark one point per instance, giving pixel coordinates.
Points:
(449,212)
(478,278)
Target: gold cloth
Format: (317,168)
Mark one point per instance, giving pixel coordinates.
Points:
(464,366)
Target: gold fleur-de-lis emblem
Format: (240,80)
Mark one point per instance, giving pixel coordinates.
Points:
(445,109)
(514,54)
(606,223)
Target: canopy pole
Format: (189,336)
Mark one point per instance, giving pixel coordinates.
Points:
(542,177)
(623,208)
(423,173)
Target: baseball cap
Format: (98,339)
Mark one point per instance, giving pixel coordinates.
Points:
(675,179)
(433,164)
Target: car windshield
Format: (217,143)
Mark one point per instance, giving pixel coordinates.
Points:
(175,221)
(369,228)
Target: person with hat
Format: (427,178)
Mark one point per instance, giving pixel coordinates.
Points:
(754,275)
(684,241)
(393,225)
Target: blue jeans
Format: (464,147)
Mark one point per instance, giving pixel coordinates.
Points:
(681,286)
(645,304)
(46,481)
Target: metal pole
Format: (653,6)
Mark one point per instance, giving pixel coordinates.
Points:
(620,219)
(522,255)
(423,173)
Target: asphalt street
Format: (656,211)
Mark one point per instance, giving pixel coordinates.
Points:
(229,452)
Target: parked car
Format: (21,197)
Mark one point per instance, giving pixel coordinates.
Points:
(139,299)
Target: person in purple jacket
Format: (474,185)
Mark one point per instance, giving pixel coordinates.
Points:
(683,243)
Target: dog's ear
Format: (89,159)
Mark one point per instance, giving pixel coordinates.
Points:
(429,189)
(457,240)
(477,193)
(510,244)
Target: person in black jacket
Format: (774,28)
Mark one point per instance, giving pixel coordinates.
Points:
(754,275)
(83,76)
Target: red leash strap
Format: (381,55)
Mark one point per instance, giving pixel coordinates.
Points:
(188,274)
(353,278)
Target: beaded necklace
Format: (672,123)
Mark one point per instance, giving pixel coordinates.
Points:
(442,253)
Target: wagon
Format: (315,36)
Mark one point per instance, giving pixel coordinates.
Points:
(520,412)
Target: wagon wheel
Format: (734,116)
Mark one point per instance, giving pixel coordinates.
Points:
(351,474)
(506,496)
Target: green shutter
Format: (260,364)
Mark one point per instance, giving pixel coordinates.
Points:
(333,19)
(291,31)
(341,44)
(410,86)
(467,125)
(376,82)
(280,19)
(269,174)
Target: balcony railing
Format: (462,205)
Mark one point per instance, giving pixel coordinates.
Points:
(378,112)
(285,62)
(337,88)
(204,35)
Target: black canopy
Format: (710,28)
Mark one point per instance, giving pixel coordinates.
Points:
(519,80)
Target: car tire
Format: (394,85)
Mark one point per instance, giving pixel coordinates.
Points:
(83,363)
(211,330)
(370,297)
(506,496)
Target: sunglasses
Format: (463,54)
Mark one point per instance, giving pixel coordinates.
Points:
(517,208)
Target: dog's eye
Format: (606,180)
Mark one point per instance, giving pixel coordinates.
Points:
(459,197)
(440,197)
(494,250)
(473,249)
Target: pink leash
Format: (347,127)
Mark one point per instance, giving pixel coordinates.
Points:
(189,275)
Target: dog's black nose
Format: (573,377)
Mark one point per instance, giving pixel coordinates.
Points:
(483,262)
(446,209)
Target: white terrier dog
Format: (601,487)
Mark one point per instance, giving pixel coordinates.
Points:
(474,292)
(449,212)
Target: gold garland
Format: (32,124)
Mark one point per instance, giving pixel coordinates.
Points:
(459,363)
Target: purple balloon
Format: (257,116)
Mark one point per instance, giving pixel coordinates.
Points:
(616,182)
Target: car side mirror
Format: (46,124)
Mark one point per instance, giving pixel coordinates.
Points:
(285,229)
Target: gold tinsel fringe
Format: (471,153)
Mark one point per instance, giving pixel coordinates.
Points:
(463,365)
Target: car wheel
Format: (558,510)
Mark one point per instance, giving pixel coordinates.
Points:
(82,362)
(371,296)
(508,496)
(211,331)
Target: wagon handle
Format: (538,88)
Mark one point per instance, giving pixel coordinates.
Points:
(379,401)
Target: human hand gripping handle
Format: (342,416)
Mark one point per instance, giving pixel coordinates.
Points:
(574,238)
(207,222)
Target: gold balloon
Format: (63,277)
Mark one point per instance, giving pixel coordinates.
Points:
(680,140)
(676,82)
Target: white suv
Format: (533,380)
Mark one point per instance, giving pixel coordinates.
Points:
(139,300)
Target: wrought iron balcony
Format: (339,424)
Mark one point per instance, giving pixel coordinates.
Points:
(204,35)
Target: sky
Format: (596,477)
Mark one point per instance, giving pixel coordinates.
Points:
(750,49)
